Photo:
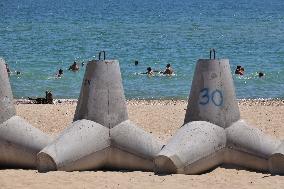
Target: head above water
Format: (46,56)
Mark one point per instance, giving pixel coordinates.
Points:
(168,65)
(60,71)
(149,69)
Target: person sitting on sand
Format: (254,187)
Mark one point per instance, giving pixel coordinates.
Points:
(74,67)
(168,70)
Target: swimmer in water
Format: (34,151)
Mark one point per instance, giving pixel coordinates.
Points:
(168,70)
(74,67)
(60,73)
(260,74)
(240,70)
(149,71)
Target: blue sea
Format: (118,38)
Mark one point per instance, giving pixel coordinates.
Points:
(38,37)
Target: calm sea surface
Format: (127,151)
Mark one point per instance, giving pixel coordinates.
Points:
(39,37)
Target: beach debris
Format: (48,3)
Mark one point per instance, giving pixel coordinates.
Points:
(213,133)
(101,135)
(19,141)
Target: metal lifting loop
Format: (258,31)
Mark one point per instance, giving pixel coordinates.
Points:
(101,53)
(211,53)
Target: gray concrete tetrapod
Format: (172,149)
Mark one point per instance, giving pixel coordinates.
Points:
(213,133)
(101,135)
(19,141)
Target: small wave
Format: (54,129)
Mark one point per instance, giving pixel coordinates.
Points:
(156,74)
(54,77)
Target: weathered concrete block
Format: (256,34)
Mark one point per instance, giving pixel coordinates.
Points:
(82,139)
(101,136)
(192,150)
(212,97)
(102,97)
(7,108)
(199,146)
(19,141)
(276,160)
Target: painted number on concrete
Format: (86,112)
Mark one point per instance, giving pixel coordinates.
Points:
(216,97)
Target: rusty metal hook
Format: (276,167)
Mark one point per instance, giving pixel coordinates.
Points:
(101,53)
(214,51)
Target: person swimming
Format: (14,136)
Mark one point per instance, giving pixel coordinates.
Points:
(260,74)
(240,70)
(150,71)
(60,73)
(168,70)
(74,67)
(237,71)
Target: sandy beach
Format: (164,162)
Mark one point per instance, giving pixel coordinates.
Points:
(162,119)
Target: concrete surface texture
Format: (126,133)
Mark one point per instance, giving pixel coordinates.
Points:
(102,97)
(7,108)
(213,133)
(101,135)
(212,96)
(19,141)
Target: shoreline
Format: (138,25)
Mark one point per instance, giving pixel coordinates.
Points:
(245,102)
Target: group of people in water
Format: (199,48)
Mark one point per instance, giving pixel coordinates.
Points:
(168,70)
(149,71)
(74,67)
(241,71)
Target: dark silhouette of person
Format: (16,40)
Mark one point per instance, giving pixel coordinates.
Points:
(260,74)
(240,70)
(60,73)
(74,66)
(168,70)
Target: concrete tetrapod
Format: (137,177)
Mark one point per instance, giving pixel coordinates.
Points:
(213,133)
(19,141)
(101,135)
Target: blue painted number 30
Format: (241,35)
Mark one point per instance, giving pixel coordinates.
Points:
(216,97)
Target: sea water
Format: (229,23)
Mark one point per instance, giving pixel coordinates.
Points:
(39,37)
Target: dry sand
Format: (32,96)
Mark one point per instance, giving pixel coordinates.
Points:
(162,119)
